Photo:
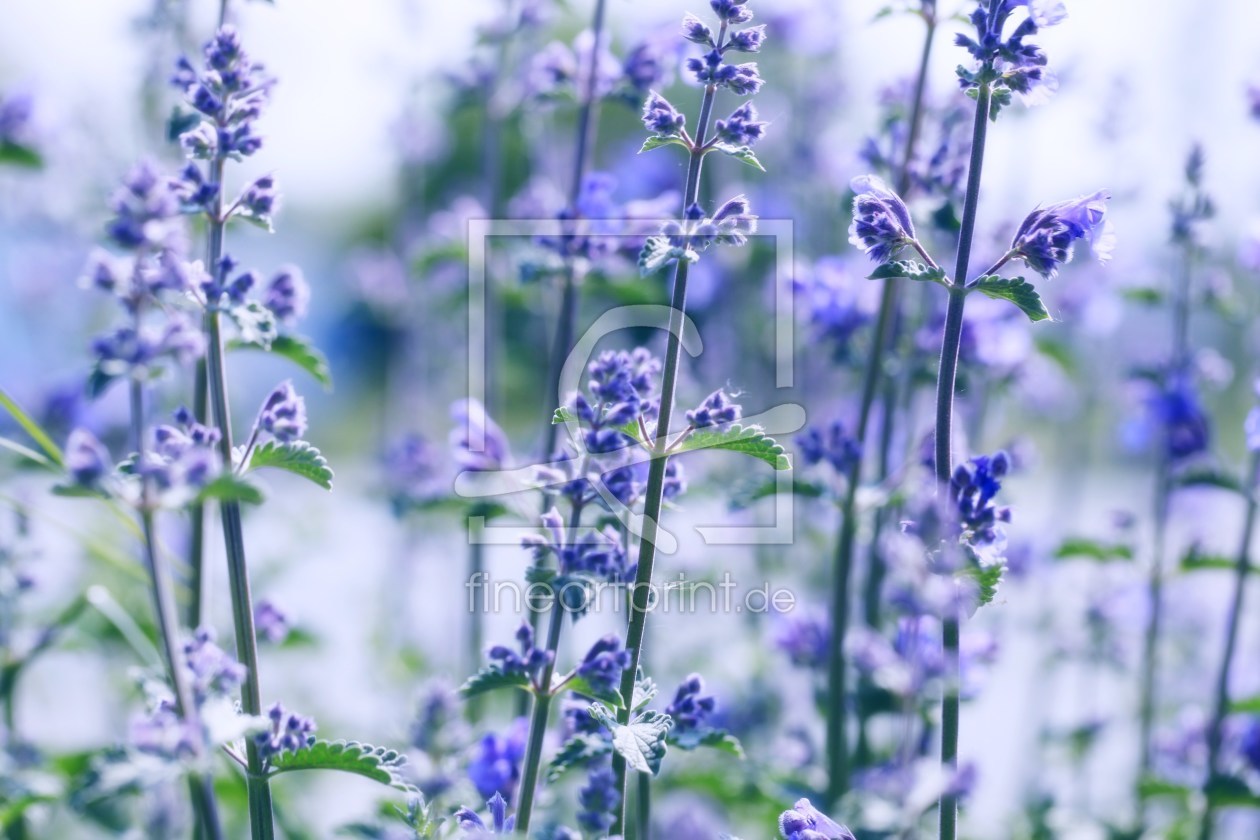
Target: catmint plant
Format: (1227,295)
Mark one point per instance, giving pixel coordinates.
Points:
(1006,64)
(1181,431)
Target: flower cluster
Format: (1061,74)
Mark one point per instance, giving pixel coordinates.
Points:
(691,707)
(271,622)
(711,69)
(881,224)
(595,553)
(527,661)
(717,409)
(496,763)
(1045,238)
(972,490)
(230,92)
(211,670)
(15,119)
(287,732)
(741,128)
(938,162)
(732,224)
(479,445)
(283,414)
(598,228)
(805,822)
(604,663)
(560,69)
(472,826)
(832,444)
(597,800)
(805,638)
(1008,62)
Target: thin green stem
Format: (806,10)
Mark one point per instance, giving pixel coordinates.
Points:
(1149,675)
(538,725)
(197,513)
(654,492)
(643,803)
(258,788)
(200,788)
(1220,702)
(945,384)
(837,748)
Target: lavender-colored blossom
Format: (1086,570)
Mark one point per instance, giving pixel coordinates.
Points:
(1249,744)
(259,200)
(283,414)
(973,487)
(691,708)
(473,427)
(213,673)
(595,553)
(717,409)
(662,118)
(146,211)
(832,444)
(1251,426)
(741,128)
(643,67)
(230,93)
(162,732)
(87,460)
(603,664)
(271,622)
(597,800)
(1183,424)
(732,11)
(732,224)
(1020,65)
(472,827)
(15,118)
(288,295)
(747,40)
(528,661)
(805,822)
(805,638)
(410,467)
(1044,241)
(495,766)
(195,190)
(438,726)
(695,30)
(130,352)
(288,733)
(881,223)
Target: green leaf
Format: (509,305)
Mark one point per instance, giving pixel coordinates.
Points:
(562,415)
(231,488)
(1209,477)
(296,349)
(641,742)
(908,269)
(298,457)
(1231,792)
(577,752)
(745,495)
(657,252)
(659,142)
(1247,706)
(1018,291)
(712,738)
(750,440)
(1081,547)
(492,679)
(743,154)
(256,323)
(644,691)
(987,579)
(31,427)
(1143,294)
(1155,788)
(377,763)
(15,154)
(580,685)
(27,453)
(1196,561)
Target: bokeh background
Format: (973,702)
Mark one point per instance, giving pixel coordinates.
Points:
(377,145)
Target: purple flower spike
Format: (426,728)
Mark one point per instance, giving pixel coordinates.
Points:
(881,221)
(1045,239)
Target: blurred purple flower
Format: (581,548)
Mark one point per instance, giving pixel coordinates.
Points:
(495,766)
(474,428)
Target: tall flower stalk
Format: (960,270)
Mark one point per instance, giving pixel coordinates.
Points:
(1233,619)
(1181,431)
(963,525)
(838,764)
(681,244)
(229,95)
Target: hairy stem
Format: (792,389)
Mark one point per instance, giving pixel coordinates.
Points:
(872,375)
(654,493)
(945,384)
(1220,702)
(538,726)
(257,786)
(1149,675)
(200,788)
